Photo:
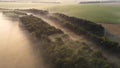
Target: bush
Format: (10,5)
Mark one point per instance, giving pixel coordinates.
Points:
(99,63)
(92,31)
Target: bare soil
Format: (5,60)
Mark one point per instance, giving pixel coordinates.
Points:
(112,28)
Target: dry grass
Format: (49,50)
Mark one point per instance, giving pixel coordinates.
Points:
(113,28)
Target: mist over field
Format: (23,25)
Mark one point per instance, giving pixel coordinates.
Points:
(61,1)
(59,33)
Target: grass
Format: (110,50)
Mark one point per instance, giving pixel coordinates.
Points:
(95,13)
(24,5)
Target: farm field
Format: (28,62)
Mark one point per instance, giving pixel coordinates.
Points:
(100,13)
(97,13)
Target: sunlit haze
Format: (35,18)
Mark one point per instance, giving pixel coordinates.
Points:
(62,1)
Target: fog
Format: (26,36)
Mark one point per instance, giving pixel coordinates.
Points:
(16,51)
(62,1)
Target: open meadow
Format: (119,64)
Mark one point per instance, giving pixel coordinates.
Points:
(99,13)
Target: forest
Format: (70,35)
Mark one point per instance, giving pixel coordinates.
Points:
(64,54)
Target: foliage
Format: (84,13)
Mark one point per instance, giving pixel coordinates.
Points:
(91,30)
(37,27)
(59,53)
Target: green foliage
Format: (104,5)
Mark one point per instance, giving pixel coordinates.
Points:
(61,54)
(37,27)
(80,25)
(99,63)
(111,45)
(37,11)
(91,30)
(97,54)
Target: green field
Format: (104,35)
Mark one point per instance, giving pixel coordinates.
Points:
(25,5)
(96,13)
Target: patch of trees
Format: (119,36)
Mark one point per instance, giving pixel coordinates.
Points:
(87,25)
(36,11)
(94,2)
(108,44)
(62,55)
(38,27)
(91,30)
(65,57)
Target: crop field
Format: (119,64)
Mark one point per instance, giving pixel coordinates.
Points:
(25,5)
(96,13)
(99,13)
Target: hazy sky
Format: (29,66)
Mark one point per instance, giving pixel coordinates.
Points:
(64,1)
(76,0)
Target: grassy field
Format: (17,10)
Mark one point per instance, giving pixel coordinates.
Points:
(25,5)
(96,13)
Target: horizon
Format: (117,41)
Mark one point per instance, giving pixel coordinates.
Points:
(61,1)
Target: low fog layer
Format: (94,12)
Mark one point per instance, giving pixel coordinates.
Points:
(62,1)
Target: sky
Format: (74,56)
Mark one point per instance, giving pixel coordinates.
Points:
(64,1)
(72,1)
(75,0)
